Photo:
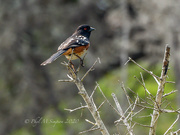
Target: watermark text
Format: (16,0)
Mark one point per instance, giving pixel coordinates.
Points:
(54,122)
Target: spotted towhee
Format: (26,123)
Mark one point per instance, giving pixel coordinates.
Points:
(75,46)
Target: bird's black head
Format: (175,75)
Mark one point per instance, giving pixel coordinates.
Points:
(84,30)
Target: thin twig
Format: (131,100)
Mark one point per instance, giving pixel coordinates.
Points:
(146,107)
(117,121)
(170,82)
(117,105)
(65,80)
(127,96)
(143,84)
(127,61)
(132,109)
(168,104)
(177,132)
(129,128)
(141,124)
(140,97)
(107,99)
(170,111)
(150,72)
(137,112)
(82,110)
(89,130)
(156,80)
(78,108)
(95,88)
(91,69)
(143,116)
(90,122)
(101,105)
(173,91)
(172,125)
(129,107)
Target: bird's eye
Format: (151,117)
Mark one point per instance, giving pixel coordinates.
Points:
(85,28)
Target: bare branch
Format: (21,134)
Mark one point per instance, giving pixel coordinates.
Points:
(176,132)
(91,69)
(170,111)
(117,105)
(129,128)
(65,80)
(160,91)
(101,104)
(89,101)
(83,132)
(95,88)
(170,82)
(107,99)
(141,124)
(172,125)
(140,97)
(150,72)
(127,96)
(143,84)
(173,91)
(137,112)
(144,116)
(156,80)
(90,122)
(146,107)
(132,109)
(92,107)
(78,108)
(127,61)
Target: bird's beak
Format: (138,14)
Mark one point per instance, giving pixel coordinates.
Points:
(91,29)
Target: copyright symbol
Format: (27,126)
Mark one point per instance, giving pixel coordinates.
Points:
(26,121)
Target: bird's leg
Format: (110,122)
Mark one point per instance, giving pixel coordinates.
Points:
(81,60)
(70,62)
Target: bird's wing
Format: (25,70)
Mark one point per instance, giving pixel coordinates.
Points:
(72,42)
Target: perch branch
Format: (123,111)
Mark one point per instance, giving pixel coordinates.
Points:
(89,102)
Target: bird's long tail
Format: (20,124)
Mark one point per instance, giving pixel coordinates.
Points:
(53,57)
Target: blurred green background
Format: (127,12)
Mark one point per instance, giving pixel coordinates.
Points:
(32,101)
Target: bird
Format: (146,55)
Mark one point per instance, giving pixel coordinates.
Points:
(73,47)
